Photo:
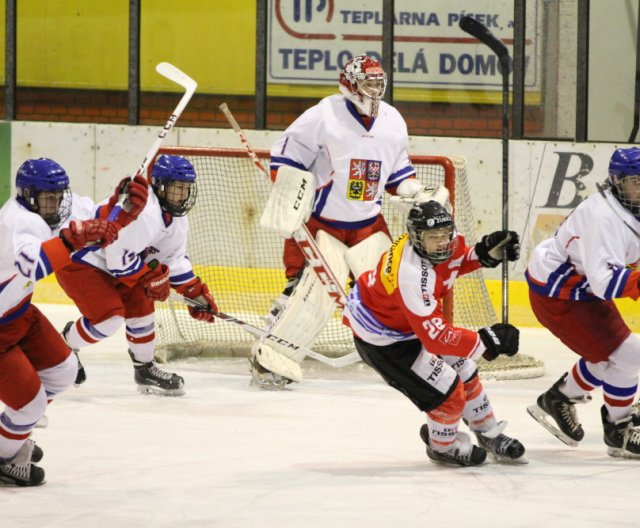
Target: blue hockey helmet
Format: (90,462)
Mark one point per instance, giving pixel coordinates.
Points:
(43,188)
(432,231)
(624,176)
(173,180)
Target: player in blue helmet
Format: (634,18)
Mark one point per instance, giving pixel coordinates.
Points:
(574,279)
(120,284)
(173,179)
(35,363)
(624,175)
(43,188)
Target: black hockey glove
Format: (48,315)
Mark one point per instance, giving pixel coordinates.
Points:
(489,249)
(501,338)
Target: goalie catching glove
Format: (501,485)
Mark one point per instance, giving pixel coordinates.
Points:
(134,194)
(489,249)
(199,291)
(95,232)
(500,338)
(411,192)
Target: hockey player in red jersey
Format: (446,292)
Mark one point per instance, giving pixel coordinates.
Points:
(35,363)
(396,315)
(121,283)
(573,279)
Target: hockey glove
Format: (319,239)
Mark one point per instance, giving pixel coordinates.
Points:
(489,249)
(501,338)
(198,291)
(135,193)
(156,283)
(95,232)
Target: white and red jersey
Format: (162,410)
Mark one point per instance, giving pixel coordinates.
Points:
(402,299)
(29,251)
(592,255)
(352,163)
(154,235)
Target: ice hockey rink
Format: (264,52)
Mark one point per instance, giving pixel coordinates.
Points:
(340,450)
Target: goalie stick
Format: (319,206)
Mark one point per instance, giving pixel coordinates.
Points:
(168,71)
(474,28)
(302,236)
(343,361)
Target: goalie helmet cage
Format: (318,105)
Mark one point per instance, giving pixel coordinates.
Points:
(242,262)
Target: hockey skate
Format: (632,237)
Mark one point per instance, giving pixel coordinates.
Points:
(20,470)
(81,376)
(501,447)
(462,453)
(622,437)
(264,378)
(562,410)
(152,380)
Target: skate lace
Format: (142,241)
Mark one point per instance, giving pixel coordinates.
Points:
(21,472)
(631,436)
(154,371)
(500,444)
(569,415)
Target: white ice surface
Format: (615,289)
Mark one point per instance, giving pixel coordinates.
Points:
(330,452)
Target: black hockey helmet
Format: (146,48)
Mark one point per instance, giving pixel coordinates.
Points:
(432,231)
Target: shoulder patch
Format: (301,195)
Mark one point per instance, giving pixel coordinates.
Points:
(391,263)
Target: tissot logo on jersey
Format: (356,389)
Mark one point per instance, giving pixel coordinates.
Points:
(364,176)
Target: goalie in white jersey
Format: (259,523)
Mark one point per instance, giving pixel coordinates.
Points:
(330,168)
(35,363)
(120,283)
(573,280)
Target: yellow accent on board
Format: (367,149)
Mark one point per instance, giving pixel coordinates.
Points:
(520,314)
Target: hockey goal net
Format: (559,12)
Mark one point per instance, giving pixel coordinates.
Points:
(242,263)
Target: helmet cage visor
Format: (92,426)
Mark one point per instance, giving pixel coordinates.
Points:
(176,197)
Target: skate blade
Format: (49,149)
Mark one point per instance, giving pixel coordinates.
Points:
(540,416)
(618,452)
(500,459)
(157,391)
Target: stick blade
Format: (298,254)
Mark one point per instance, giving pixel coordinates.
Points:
(474,28)
(174,74)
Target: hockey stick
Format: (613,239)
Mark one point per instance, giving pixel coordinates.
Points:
(343,361)
(476,29)
(168,71)
(302,236)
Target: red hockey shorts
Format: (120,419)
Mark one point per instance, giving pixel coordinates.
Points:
(294,259)
(592,329)
(27,344)
(100,296)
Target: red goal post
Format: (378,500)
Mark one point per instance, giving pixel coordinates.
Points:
(242,262)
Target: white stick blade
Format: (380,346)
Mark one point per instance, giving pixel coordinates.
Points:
(169,71)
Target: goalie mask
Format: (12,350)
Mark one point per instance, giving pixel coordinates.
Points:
(173,180)
(43,188)
(363,82)
(624,176)
(432,232)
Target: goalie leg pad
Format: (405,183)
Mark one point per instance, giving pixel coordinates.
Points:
(310,307)
(365,255)
(290,202)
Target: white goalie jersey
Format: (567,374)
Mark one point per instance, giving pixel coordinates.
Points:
(352,163)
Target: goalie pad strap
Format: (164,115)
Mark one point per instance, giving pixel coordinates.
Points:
(290,202)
